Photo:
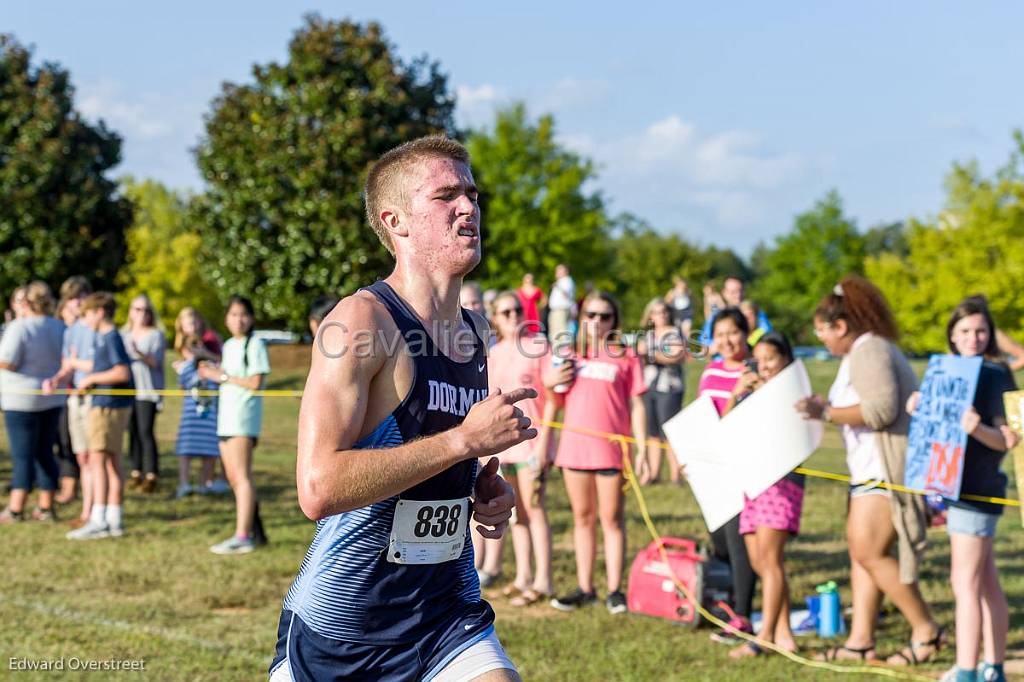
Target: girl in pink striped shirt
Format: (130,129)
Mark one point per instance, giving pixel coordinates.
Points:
(729,330)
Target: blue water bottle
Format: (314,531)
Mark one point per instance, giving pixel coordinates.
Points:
(828,610)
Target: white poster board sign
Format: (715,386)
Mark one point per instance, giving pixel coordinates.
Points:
(760,441)
(692,434)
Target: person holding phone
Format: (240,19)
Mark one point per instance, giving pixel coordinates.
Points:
(605,396)
(729,332)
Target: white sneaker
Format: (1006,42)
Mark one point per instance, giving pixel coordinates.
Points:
(234,545)
(90,531)
(116,531)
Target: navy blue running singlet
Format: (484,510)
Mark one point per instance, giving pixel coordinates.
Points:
(346,588)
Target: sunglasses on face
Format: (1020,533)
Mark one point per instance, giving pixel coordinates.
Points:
(604,317)
(508,312)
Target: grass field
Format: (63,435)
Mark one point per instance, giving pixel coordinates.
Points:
(158,596)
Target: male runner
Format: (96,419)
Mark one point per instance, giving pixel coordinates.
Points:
(394,415)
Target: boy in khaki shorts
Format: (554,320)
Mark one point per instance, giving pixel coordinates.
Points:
(106,420)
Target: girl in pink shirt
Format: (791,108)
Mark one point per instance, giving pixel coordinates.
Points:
(729,332)
(606,385)
(519,359)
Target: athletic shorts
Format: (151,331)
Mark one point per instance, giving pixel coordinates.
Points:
(78,413)
(660,408)
(460,649)
(105,428)
(961,521)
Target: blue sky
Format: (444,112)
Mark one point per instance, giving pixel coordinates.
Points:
(718,122)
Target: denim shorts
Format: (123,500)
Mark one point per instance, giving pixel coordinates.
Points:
(962,521)
(867,488)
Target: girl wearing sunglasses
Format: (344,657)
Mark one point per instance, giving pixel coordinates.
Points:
(605,396)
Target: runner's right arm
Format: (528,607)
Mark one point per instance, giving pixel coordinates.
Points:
(331,476)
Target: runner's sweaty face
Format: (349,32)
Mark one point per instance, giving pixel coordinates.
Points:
(444,214)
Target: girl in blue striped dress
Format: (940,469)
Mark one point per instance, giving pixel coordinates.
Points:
(197,430)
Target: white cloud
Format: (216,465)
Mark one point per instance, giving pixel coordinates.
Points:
(672,163)
(475,105)
(571,93)
(139,117)
(670,170)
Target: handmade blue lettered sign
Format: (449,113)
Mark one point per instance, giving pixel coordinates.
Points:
(935,452)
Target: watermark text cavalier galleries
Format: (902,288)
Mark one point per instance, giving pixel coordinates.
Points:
(74,663)
(334,340)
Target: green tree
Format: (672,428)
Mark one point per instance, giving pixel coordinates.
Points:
(886,238)
(60,213)
(646,261)
(972,246)
(163,256)
(285,158)
(805,264)
(537,210)
(724,263)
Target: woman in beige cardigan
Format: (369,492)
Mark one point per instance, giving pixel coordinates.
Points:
(866,402)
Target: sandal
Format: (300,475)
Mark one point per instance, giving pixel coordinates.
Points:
(8,515)
(746,650)
(45,515)
(511,590)
(528,597)
(911,656)
(834,653)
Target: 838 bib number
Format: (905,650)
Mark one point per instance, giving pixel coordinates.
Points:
(428,532)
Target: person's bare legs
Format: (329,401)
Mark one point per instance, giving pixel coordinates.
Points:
(673,465)
(100,482)
(610,507)
(85,480)
(206,468)
(770,550)
(236,454)
(995,612)
(479,549)
(68,488)
(867,601)
(582,491)
(486,552)
(522,547)
(493,550)
(870,534)
(967,559)
(16,502)
(112,466)
(540,531)
(184,473)
(653,461)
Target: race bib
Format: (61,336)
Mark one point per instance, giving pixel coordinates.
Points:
(428,532)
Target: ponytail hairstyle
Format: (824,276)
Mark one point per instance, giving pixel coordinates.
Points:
(238,299)
(974,305)
(860,304)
